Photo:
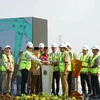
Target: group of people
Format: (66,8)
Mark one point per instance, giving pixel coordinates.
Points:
(90,72)
(30,62)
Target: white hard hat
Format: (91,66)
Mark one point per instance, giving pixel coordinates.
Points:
(85,47)
(54,45)
(29,44)
(41,45)
(96,47)
(68,44)
(63,45)
(7,46)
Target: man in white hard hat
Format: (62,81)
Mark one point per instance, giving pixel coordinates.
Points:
(64,61)
(53,58)
(7,69)
(1,51)
(69,49)
(25,64)
(71,79)
(41,51)
(45,56)
(95,71)
(84,76)
(35,74)
(41,48)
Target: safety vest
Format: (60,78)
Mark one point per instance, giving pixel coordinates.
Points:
(62,62)
(54,59)
(25,63)
(2,67)
(39,54)
(0,60)
(97,69)
(85,63)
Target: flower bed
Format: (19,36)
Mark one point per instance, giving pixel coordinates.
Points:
(42,96)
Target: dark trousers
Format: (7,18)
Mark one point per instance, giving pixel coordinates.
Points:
(18,80)
(56,77)
(71,83)
(41,79)
(24,73)
(95,84)
(85,78)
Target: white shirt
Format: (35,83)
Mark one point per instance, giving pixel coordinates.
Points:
(32,57)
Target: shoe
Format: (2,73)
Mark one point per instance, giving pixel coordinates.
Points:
(67,98)
(99,96)
(91,95)
(18,94)
(57,94)
(88,94)
(4,93)
(9,93)
(84,94)
(95,96)
(53,93)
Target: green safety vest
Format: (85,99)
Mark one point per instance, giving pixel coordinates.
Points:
(39,54)
(25,63)
(97,69)
(85,63)
(2,67)
(61,62)
(0,60)
(54,59)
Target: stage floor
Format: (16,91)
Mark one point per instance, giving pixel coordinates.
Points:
(14,90)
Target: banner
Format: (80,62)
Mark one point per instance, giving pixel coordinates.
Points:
(76,67)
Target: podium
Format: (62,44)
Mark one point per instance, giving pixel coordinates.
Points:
(47,73)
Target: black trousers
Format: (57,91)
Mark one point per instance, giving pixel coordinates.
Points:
(71,83)
(56,77)
(18,80)
(95,84)
(41,79)
(24,73)
(85,78)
